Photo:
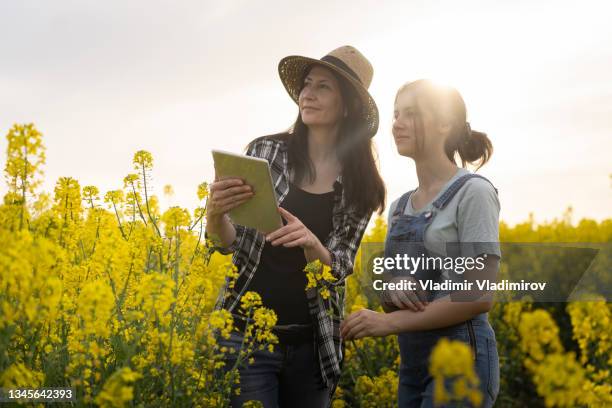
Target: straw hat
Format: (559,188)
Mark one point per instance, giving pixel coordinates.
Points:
(349,63)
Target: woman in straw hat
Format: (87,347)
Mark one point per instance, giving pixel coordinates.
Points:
(328,186)
(453,215)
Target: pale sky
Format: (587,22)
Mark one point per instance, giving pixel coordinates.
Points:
(103,79)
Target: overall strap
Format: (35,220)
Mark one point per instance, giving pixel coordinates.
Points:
(401,204)
(450,192)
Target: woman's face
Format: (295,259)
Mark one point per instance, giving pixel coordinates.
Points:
(414,127)
(320,99)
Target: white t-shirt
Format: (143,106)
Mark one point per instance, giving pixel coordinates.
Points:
(470,218)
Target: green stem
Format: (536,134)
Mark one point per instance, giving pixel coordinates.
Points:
(138,204)
(364,360)
(119,220)
(144,181)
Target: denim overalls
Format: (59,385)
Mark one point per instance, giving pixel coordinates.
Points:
(406,235)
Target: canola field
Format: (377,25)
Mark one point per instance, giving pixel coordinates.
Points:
(103,293)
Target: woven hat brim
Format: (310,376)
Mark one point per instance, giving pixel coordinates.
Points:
(291,71)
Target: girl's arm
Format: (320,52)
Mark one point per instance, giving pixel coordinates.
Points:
(443,312)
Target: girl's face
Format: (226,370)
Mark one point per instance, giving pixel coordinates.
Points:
(320,99)
(414,129)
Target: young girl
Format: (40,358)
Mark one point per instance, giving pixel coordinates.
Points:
(319,171)
(452,213)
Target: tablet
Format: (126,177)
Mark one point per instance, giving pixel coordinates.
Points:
(261,211)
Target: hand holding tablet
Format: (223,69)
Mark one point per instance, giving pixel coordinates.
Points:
(227,194)
(246,191)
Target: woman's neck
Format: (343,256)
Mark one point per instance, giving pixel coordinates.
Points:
(434,172)
(322,144)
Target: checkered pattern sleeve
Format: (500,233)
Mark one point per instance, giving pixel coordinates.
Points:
(343,246)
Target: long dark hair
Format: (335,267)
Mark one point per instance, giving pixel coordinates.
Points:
(363,187)
(448,106)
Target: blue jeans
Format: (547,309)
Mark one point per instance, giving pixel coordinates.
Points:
(416,386)
(287,377)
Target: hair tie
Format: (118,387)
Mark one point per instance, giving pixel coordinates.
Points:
(468,132)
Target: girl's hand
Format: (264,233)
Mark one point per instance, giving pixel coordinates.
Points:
(227,194)
(414,300)
(293,234)
(366,323)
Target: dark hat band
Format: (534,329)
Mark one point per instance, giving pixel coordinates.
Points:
(340,64)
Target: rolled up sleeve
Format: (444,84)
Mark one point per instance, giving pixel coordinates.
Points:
(215,245)
(343,248)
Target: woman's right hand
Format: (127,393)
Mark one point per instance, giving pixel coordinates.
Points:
(414,300)
(226,194)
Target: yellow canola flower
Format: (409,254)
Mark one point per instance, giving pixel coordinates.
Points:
(202,191)
(250,300)
(114,197)
(559,380)
(253,404)
(118,391)
(319,276)
(338,401)
(512,313)
(17,375)
(223,321)
(67,198)
(129,180)
(324,292)
(264,320)
(91,194)
(452,360)
(25,157)
(156,295)
(377,392)
(175,218)
(539,334)
(95,306)
(142,158)
(591,329)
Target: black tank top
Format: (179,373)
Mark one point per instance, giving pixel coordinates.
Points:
(279,278)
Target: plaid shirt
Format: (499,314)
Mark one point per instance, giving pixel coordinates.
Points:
(347,230)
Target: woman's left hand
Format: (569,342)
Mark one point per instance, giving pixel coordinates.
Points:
(366,323)
(293,234)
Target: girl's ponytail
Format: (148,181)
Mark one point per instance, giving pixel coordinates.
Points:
(473,147)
